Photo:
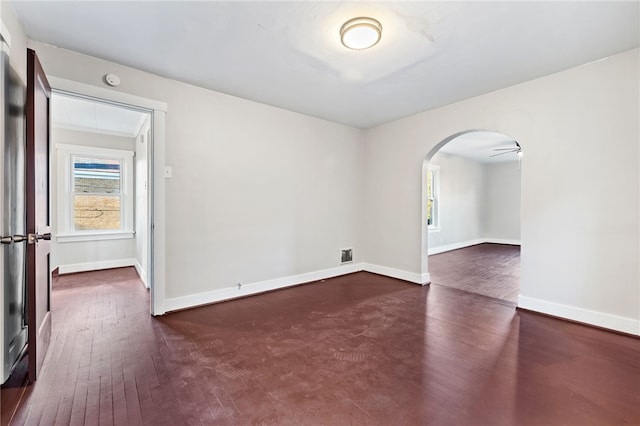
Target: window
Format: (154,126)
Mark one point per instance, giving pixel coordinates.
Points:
(433,183)
(95,193)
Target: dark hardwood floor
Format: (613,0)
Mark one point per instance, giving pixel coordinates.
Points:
(491,270)
(360,349)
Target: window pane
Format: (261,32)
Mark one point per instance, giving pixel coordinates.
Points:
(96,212)
(96,175)
(429,198)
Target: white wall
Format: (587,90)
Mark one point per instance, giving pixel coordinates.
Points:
(502,202)
(478,203)
(257,192)
(18,55)
(461,201)
(262,193)
(86,255)
(142,201)
(580,187)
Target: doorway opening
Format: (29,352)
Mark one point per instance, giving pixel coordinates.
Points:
(471,220)
(101,176)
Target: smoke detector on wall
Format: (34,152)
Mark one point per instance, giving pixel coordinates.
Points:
(112,80)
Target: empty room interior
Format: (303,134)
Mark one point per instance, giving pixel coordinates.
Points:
(307,213)
(473,214)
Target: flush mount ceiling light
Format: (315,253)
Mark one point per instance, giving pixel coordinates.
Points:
(360,33)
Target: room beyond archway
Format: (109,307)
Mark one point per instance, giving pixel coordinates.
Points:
(471,199)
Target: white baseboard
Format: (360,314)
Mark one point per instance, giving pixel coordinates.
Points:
(469,243)
(502,241)
(95,266)
(599,319)
(141,273)
(454,246)
(228,293)
(397,273)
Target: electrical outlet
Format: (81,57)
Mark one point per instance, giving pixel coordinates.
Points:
(168,172)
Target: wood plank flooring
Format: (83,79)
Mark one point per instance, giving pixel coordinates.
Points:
(492,270)
(360,349)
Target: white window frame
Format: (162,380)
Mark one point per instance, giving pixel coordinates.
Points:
(434,171)
(66,227)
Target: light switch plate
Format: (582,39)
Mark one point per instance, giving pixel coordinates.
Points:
(168,172)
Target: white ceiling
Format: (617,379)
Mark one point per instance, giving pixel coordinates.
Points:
(288,53)
(480,146)
(95,117)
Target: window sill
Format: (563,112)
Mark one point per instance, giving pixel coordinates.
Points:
(94,236)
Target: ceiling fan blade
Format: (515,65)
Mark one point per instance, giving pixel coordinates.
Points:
(517,149)
(502,153)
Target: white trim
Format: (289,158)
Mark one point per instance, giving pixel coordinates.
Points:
(5,34)
(502,241)
(469,243)
(398,273)
(424,228)
(75,87)
(141,273)
(92,130)
(228,293)
(435,191)
(94,236)
(95,266)
(95,150)
(455,246)
(587,316)
(65,193)
(156,219)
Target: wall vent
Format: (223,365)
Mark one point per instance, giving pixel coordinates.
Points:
(346,255)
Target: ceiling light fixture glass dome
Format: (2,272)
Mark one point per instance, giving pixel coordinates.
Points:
(360,33)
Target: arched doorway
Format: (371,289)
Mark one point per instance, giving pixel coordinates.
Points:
(471,213)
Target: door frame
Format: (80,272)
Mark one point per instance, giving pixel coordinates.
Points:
(156,162)
(424,252)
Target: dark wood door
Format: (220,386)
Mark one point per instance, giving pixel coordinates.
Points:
(37,200)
